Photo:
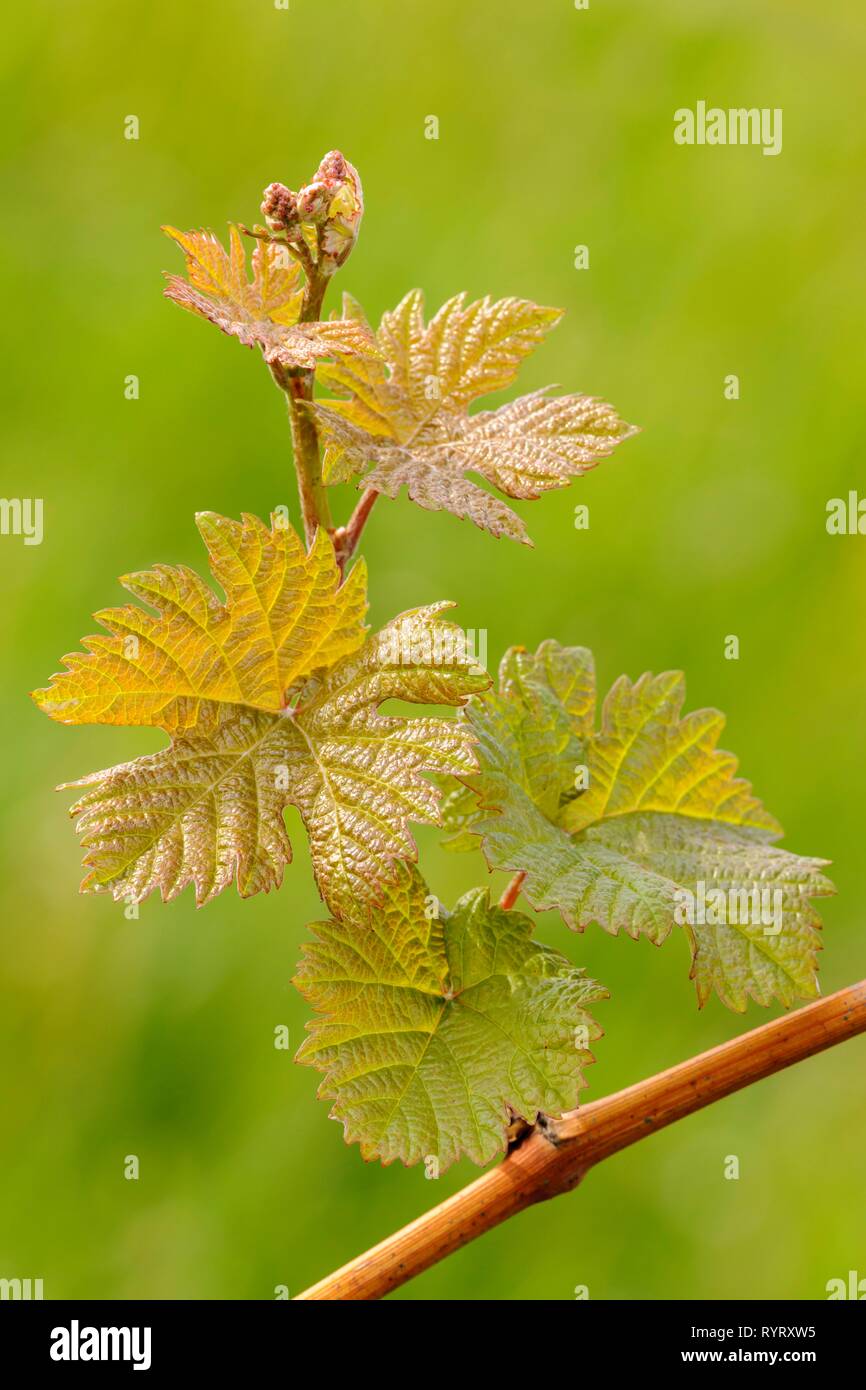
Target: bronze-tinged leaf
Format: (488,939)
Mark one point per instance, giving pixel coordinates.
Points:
(465,352)
(403,421)
(206,810)
(435,1028)
(209,809)
(638,825)
(220,290)
(263,311)
(286,615)
(468,350)
(306,343)
(535,443)
(431,477)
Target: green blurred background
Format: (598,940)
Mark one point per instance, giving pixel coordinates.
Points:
(155,1036)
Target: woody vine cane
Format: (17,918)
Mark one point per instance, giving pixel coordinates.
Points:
(552,1157)
(436,1030)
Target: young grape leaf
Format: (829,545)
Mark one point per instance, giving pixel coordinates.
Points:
(262,312)
(286,614)
(434,1026)
(209,808)
(406,417)
(638,825)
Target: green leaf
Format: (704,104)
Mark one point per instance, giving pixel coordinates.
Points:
(209,808)
(434,1027)
(638,825)
(405,418)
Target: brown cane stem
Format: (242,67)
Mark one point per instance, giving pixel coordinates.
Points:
(557,1153)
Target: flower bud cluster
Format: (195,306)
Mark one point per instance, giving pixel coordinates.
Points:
(332,202)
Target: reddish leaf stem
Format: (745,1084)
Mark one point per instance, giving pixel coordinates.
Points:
(512,892)
(346,537)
